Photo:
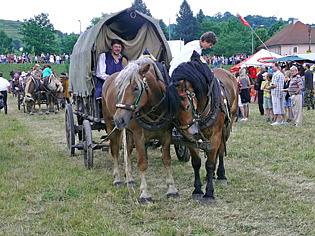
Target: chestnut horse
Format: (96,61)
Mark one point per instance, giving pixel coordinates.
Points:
(216,110)
(135,98)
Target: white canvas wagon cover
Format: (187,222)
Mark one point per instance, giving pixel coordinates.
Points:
(136,30)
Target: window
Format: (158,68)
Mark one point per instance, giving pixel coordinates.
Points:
(277,50)
(295,49)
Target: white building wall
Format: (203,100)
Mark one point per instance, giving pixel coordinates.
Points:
(286,50)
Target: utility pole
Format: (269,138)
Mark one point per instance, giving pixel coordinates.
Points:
(309,38)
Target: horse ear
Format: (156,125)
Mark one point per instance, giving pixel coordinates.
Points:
(144,69)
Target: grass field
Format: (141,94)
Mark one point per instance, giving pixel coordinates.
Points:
(7,68)
(43,191)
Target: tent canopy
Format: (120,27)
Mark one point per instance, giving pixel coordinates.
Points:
(307,57)
(137,31)
(260,58)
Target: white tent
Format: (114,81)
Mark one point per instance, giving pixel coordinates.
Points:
(257,59)
(176,47)
(260,58)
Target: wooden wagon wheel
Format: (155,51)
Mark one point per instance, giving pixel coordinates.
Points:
(87,144)
(70,132)
(182,152)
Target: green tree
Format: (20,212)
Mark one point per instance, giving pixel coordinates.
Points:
(233,38)
(5,43)
(164,28)
(38,33)
(208,25)
(67,43)
(186,23)
(139,5)
(200,16)
(263,35)
(276,27)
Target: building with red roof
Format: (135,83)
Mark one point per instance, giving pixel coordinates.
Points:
(293,39)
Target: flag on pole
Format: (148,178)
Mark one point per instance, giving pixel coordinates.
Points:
(243,21)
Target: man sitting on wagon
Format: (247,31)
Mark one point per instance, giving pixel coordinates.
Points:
(109,63)
(47,72)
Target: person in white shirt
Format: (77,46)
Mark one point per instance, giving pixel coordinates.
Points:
(206,41)
(4,88)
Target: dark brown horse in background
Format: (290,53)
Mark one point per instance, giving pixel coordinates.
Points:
(136,99)
(216,110)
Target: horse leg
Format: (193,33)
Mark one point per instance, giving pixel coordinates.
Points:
(196,163)
(114,148)
(50,101)
(210,166)
(143,166)
(128,168)
(166,157)
(211,162)
(221,170)
(40,111)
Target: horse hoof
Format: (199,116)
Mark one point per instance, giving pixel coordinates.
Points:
(197,196)
(47,112)
(207,200)
(118,184)
(222,182)
(145,200)
(131,183)
(172,195)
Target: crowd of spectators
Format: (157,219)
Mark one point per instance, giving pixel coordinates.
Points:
(218,61)
(27,58)
(282,91)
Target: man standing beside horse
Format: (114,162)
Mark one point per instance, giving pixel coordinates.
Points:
(4,88)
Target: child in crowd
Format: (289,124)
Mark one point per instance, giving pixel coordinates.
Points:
(265,86)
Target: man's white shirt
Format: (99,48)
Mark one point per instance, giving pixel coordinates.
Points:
(4,84)
(185,54)
(101,67)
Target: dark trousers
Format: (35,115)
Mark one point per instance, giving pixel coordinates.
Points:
(309,99)
(4,94)
(261,102)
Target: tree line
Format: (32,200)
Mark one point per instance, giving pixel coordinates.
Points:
(39,35)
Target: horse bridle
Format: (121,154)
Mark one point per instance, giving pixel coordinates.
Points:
(143,88)
(191,98)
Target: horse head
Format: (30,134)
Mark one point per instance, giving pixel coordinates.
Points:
(186,120)
(133,91)
(54,84)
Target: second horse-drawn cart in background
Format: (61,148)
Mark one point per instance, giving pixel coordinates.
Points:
(138,32)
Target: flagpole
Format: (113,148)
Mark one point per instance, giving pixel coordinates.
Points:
(253,31)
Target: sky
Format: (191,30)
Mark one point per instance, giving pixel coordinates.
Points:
(68,15)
